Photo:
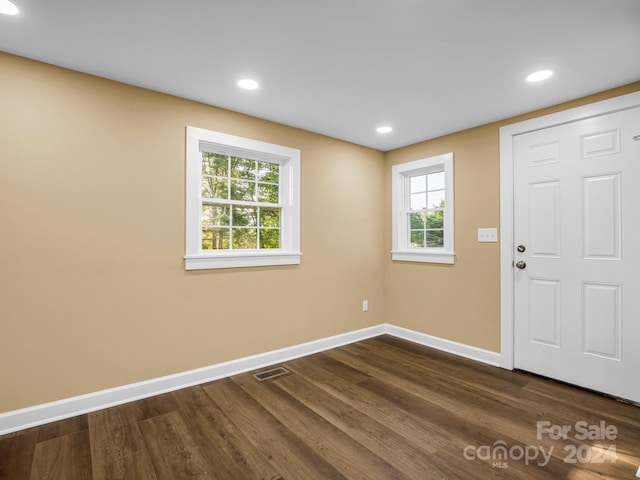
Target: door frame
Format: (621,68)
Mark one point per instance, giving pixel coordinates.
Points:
(507,193)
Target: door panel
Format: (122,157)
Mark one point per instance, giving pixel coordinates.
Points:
(544,219)
(601,222)
(601,320)
(577,287)
(600,143)
(544,311)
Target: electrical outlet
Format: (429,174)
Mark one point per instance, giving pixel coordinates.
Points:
(487,234)
(365,305)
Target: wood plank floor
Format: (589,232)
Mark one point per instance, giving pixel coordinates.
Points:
(378,409)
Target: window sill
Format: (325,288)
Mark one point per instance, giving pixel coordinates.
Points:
(240,259)
(423,257)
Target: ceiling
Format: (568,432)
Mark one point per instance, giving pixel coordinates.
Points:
(343,67)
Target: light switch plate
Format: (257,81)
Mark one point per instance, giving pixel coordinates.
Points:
(487,234)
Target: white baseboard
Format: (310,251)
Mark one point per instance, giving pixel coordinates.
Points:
(460,349)
(70,407)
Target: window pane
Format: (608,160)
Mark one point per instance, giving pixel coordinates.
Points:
(268,172)
(270,217)
(215,215)
(419,184)
(268,193)
(436,199)
(435,219)
(435,238)
(215,238)
(214,188)
(418,201)
(243,190)
(416,239)
(243,168)
(245,238)
(215,164)
(269,238)
(245,216)
(416,221)
(436,181)
(207,243)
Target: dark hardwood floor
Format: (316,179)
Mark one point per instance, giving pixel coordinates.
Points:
(378,409)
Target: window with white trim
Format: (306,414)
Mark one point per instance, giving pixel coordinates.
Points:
(242,202)
(422,210)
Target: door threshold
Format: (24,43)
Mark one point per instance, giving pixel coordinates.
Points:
(562,382)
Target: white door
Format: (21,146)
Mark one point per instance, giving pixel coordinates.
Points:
(577,280)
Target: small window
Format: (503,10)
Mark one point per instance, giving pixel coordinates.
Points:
(422,197)
(242,202)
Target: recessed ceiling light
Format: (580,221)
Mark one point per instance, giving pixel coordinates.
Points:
(384,129)
(8,8)
(248,84)
(539,76)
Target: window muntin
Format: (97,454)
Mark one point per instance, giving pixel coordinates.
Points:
(242,205)
(422,206)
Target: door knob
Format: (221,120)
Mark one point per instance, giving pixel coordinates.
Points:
(521,248)
(521,265)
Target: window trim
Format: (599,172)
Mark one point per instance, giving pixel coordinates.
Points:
(289,160)
(400,175)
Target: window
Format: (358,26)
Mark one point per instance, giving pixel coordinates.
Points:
(242,205)
(422,197)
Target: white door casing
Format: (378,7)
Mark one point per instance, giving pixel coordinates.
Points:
(573,312)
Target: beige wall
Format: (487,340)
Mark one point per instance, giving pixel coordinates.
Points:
(460,302)
(93,293)
(93,290)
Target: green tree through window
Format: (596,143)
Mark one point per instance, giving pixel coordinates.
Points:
(426,214)
(240,203)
